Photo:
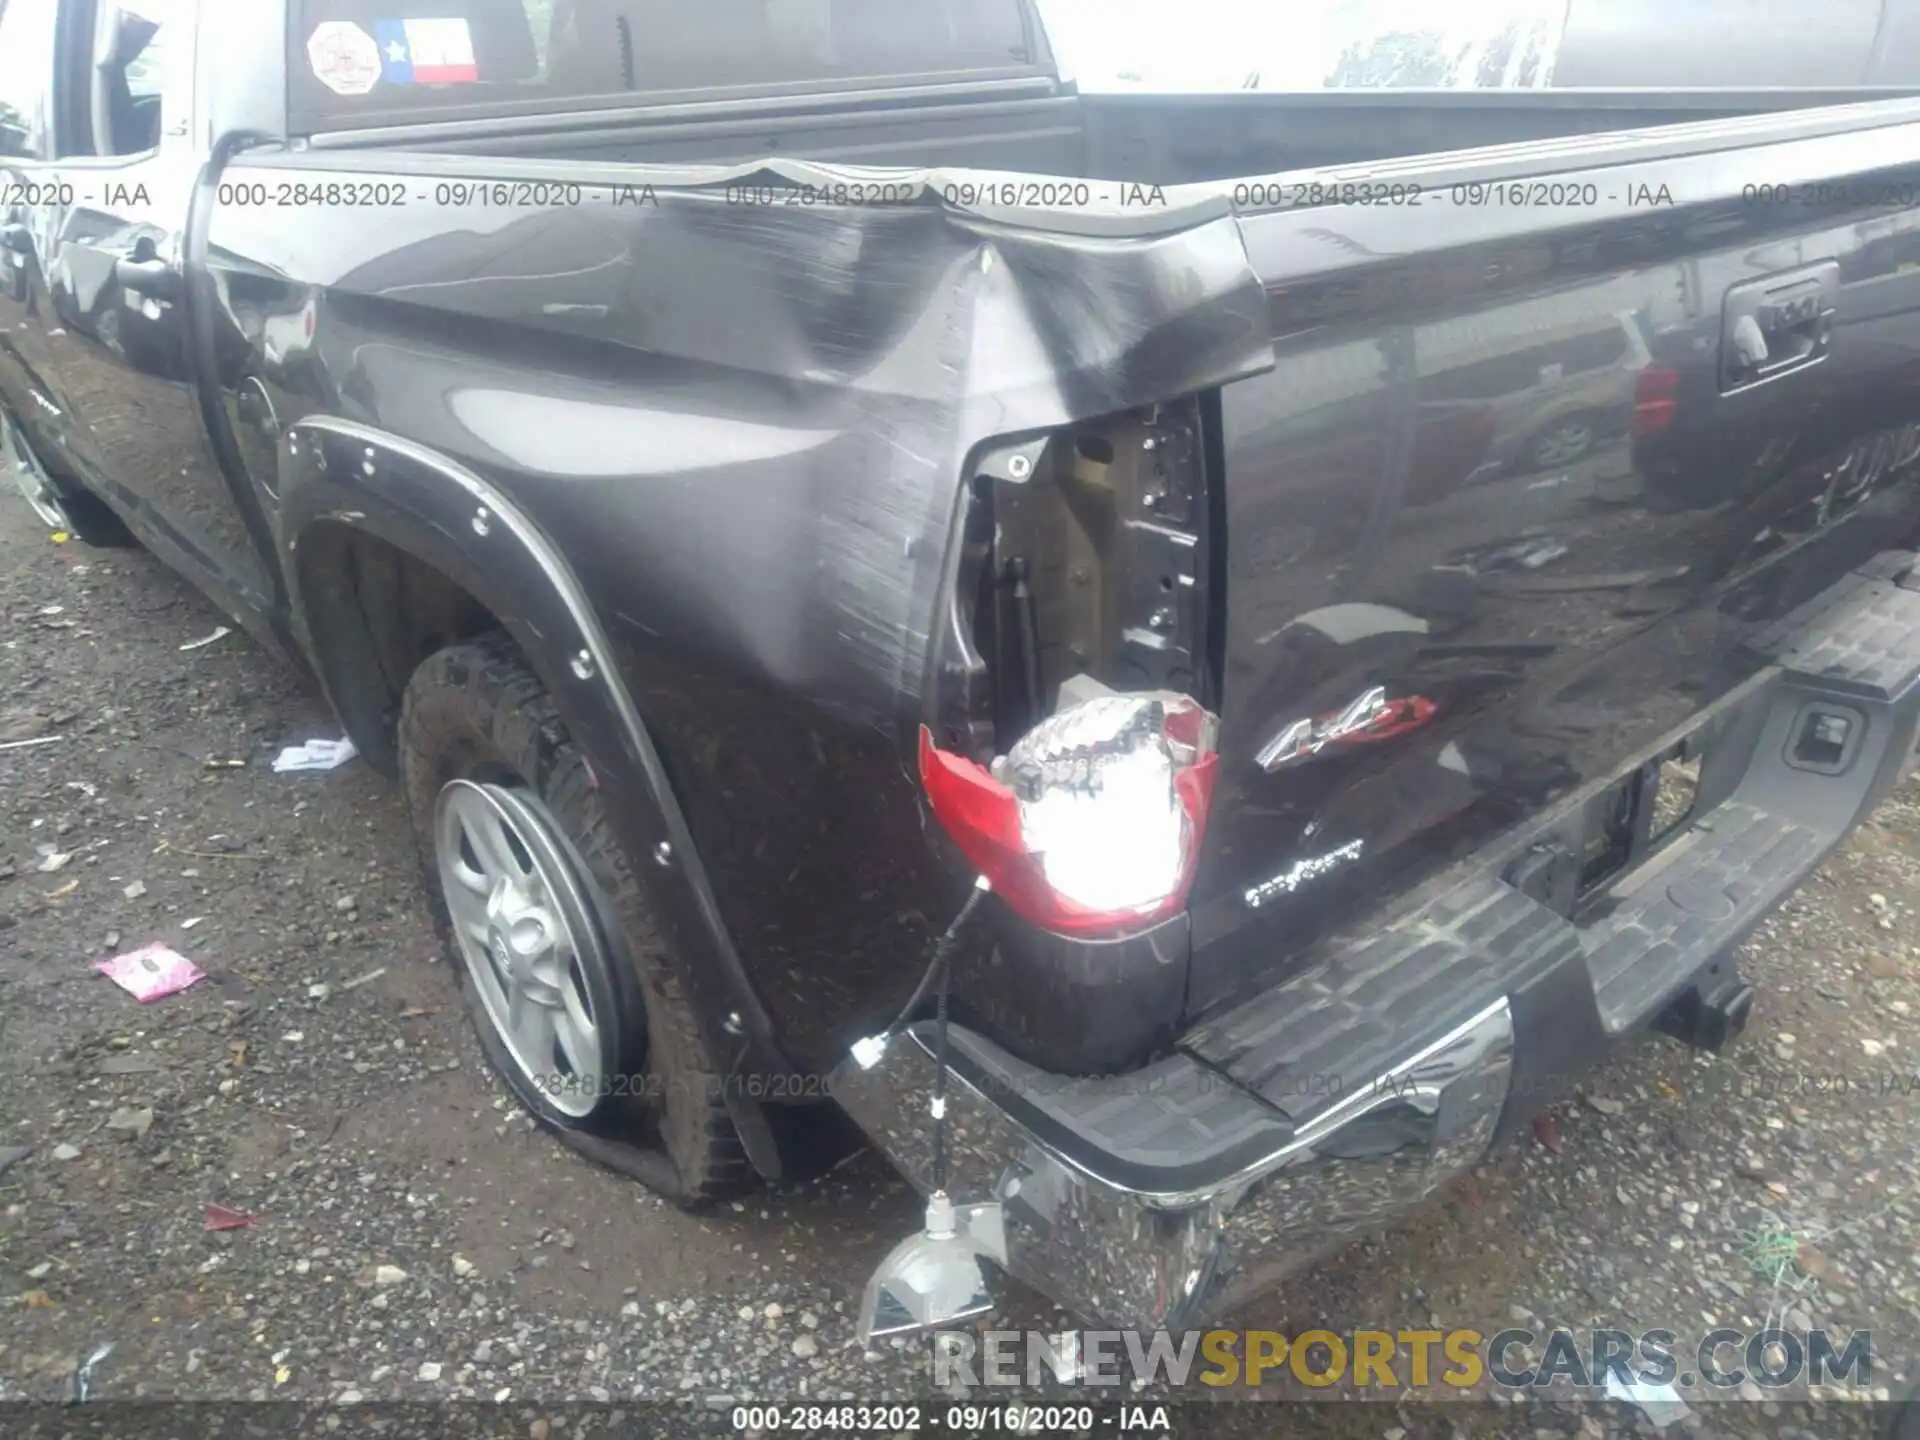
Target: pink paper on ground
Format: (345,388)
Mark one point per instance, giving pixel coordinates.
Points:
(219,1217)
(150,973)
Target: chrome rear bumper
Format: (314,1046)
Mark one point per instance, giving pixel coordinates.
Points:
(1187,1245)
(1387,1061)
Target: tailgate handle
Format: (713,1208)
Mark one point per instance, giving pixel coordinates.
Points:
(1777,324)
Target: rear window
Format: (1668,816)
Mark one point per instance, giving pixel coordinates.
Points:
(368,62)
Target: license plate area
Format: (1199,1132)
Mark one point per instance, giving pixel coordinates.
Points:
(1612,832)
(1616,829)
(1631,818)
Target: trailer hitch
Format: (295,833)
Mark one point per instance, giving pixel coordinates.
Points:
(1710,1013)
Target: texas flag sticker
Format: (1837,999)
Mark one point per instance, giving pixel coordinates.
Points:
(425,52)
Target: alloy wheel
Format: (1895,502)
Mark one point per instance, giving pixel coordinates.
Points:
(528,938)
(1563,444)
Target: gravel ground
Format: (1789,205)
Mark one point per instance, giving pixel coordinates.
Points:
(415,1239)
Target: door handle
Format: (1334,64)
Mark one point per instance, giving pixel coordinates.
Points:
(1778,323)
(16,239)
(154,278)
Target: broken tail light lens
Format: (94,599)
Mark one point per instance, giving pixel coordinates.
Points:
(1091,824)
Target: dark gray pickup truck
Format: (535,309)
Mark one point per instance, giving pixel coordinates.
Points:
(1188,662)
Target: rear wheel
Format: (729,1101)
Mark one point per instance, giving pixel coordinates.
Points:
(577,1001)
(533,954)
(1566,441)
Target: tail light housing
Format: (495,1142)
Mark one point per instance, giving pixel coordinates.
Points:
(1654,400)
(1090,825)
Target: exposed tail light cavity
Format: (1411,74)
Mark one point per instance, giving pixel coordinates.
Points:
(1073,758)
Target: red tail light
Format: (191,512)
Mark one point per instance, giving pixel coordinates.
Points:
(1091,824)
(1653,400)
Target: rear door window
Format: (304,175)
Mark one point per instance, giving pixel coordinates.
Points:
(362,63)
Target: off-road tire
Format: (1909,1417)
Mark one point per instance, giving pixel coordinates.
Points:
(476,711)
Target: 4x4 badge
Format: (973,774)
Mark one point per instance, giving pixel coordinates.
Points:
(1369,718)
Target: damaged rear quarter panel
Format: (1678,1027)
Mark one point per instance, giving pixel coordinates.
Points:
(745,425)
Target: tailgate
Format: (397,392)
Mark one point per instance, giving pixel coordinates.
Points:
(1537,464)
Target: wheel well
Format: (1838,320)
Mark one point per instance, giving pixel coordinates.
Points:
(374,612)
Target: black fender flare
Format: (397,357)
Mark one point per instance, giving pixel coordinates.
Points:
(442,513)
